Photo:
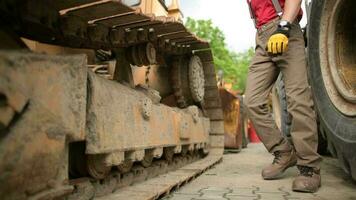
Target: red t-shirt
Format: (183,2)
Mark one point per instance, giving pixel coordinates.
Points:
(264,11)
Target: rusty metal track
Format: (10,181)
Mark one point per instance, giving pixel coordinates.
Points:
(163,184)
(96,24)
(61,187)
(144,183)
(109,24)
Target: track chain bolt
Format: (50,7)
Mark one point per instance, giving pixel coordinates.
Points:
(146,108)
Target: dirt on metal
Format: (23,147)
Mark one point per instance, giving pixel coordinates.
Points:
(233,119)
(100,97)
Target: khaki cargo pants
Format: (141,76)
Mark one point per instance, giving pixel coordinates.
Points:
(262,74)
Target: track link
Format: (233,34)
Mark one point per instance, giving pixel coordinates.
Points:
(163,184)
(144,183)
(109,25)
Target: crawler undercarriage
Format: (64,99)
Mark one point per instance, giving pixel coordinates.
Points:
(96,96)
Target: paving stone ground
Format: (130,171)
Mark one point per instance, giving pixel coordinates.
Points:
(238,178)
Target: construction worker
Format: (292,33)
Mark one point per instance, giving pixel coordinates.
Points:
(280,47)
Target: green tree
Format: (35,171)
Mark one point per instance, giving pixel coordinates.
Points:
(234,65)
(242,61)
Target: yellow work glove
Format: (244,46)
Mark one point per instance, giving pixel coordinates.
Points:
(278,42)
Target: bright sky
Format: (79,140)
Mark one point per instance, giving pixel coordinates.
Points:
(231,16)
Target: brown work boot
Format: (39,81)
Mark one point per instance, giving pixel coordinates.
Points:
(281,162)
(308,180)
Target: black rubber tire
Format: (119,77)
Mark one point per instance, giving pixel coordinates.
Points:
(286,120)
(322,140)
(340,129)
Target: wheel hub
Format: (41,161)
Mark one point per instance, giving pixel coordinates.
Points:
(188,80)
(196,79)
(338,61)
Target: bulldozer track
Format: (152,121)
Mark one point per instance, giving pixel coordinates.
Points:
(87,188)
(153,182)
(164,184)
(112,25)
(97,25)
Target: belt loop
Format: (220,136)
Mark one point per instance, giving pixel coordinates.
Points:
(269,25)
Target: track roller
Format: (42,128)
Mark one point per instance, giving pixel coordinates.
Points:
(96,166)
(147,160)
(168,153)
(125,166)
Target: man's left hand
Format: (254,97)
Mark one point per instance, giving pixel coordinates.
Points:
(278,42)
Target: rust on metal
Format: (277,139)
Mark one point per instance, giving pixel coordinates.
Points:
(232,122)
(50,107)
(66,121)
(111,14)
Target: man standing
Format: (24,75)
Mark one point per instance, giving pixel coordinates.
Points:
(280,47)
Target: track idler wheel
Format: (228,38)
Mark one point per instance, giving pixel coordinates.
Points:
(96,166)
(188,80)
(125,166)
(196,79)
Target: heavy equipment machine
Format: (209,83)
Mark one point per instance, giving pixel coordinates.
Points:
(331,52)
(235,119)
(103,99)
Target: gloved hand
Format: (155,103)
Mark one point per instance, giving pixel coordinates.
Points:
(278,42)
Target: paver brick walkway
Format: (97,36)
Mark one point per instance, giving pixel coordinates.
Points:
(238,177)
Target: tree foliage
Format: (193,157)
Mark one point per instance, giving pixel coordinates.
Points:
(234,65)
